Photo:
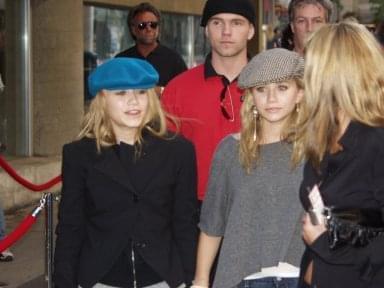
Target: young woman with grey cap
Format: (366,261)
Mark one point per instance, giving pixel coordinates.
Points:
(127,215)
(251,205)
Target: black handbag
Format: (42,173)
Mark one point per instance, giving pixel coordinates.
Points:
(356,227)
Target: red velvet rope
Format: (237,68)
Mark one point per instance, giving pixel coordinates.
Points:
(26,183)
(17,233)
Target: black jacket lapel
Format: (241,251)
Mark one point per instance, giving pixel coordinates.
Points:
(111,166)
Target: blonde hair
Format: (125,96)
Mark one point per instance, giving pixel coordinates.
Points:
(344,71)
(97,125)
(249,148)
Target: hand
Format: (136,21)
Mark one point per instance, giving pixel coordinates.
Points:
(200,283)
(311,232)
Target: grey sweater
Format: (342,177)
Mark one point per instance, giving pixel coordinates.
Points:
(258,214)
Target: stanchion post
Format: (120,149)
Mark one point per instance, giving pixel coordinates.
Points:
(49,240)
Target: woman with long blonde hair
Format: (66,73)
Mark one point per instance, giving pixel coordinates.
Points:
(251,205)
(343,139)
(127,216)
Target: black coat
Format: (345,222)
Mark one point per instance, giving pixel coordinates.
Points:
(100,212)
(167,62)
(352,178)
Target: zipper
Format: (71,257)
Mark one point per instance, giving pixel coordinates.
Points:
(133,266)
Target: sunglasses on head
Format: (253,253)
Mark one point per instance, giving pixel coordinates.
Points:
(143,25)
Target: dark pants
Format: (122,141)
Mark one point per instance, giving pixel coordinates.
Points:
(270,282)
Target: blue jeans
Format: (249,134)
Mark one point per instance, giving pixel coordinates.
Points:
(270,282)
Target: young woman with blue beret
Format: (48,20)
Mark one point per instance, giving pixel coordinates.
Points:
(127,216)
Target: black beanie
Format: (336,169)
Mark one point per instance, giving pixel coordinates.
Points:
(244,8)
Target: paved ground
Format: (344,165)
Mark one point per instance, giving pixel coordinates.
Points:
(28,268)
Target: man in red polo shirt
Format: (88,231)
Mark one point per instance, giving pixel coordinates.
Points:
(206,98)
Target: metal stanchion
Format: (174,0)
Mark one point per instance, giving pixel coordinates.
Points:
(49,240)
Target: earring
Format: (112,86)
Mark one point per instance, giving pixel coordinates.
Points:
(297,110)
(255,114)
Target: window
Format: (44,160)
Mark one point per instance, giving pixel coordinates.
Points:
(106,33)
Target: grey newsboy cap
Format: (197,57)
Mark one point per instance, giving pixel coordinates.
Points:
(271,66)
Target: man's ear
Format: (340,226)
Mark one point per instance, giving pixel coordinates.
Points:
(292,28)
(251,32)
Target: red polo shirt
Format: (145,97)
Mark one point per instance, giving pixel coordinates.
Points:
(195,98)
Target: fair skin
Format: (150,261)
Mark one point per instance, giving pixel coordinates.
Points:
(146,39)
(308,18)
(228,35)
(207,250)
(274,102)
(126,110)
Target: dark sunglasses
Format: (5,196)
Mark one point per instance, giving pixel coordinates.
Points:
(143,25)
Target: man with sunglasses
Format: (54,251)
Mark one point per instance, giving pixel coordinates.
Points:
(144,25)
(206,98)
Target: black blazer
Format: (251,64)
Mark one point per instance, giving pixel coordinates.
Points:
(352,178)
(100,212)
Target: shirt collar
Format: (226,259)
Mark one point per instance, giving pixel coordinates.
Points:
(153,52)
(209,71)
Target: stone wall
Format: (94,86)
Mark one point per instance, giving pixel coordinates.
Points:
(57,73)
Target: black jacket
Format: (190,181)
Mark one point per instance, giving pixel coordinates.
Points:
(352,178)
(100,212)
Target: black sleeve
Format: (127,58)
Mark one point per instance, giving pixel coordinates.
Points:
(71,222)
(185,209)
(371,257)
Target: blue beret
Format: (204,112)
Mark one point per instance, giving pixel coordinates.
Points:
(122,73)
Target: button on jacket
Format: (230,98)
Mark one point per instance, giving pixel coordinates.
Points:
(101,212)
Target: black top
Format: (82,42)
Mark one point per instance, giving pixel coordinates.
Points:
(167,62)
(351,178)
(112,202)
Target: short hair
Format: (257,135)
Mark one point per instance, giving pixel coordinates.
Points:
(287,38)
(326,4)
(138,9)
